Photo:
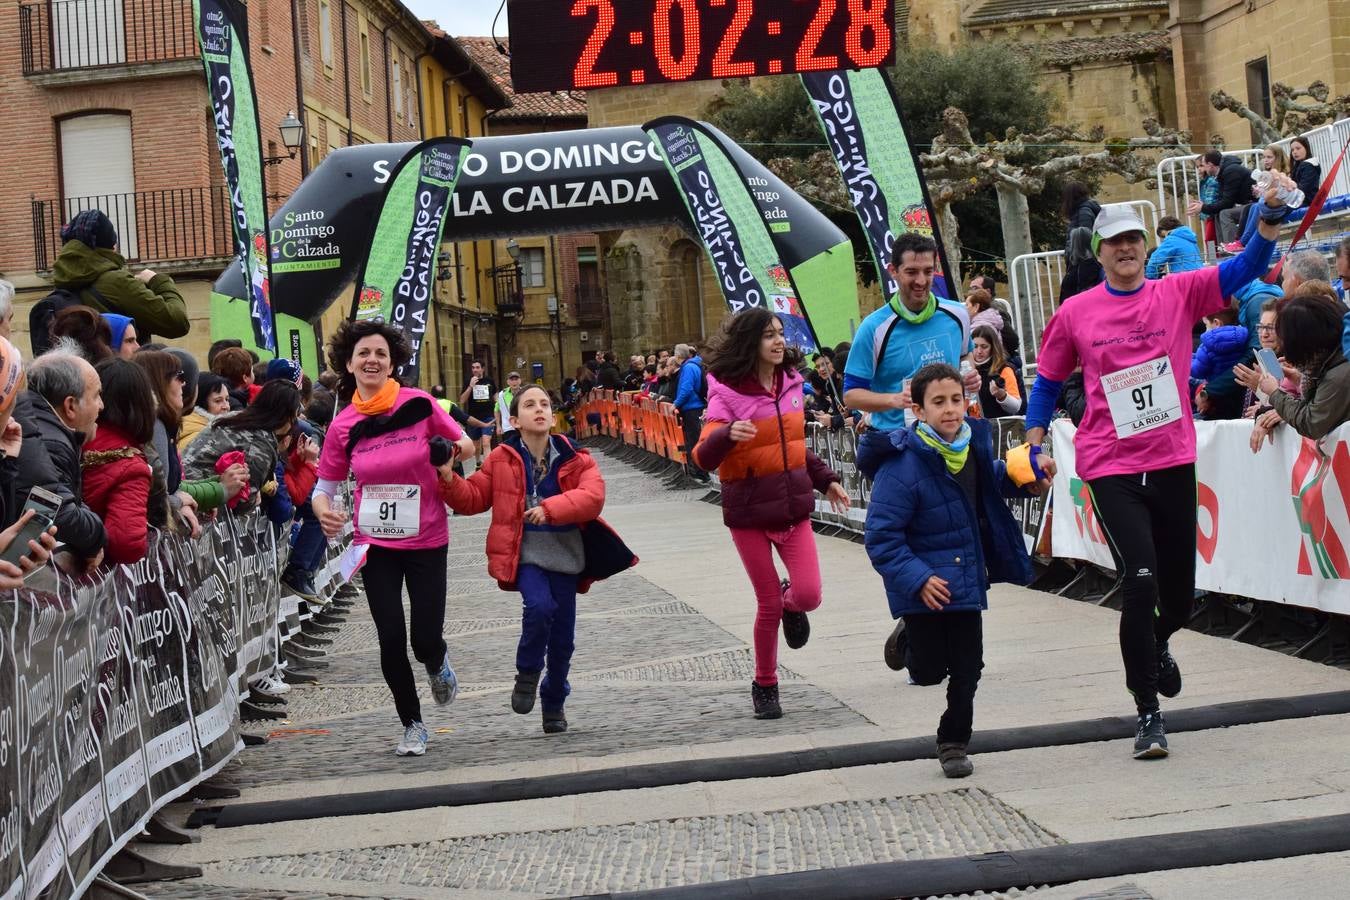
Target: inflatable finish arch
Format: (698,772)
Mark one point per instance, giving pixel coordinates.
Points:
(587,180)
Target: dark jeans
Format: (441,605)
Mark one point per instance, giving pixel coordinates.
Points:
(547,630)
(1149,521)
(948,645)
(692,428)
(307,551)
(385,573)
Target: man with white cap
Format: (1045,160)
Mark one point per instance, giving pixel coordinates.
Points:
(1135,448)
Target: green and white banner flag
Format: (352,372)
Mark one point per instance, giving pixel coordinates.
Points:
(740,246)
(398,277)
(222,31)
(861,117)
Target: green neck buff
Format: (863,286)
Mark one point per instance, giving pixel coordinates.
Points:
(915,318)
(954,454)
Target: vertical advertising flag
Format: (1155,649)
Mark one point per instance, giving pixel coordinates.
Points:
(861,118)
(222,31)
(399,274)
(739,244)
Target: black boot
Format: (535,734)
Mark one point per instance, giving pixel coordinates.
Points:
(554,721)
(897,645)
(766,701)
(522,697)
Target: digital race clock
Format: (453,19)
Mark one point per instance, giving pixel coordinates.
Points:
(559,45)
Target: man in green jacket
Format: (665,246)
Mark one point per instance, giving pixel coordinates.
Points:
(90,267)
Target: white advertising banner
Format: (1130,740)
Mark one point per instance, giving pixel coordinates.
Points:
(1271,526)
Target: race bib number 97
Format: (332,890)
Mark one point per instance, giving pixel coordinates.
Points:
(1142,397)
(390,511)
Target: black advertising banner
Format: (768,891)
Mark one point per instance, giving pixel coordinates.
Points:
(222,32)
(400,269)
(601,179)
(117,695)
(861,117)
(161,643)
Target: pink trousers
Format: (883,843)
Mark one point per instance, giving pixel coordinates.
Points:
(796,546)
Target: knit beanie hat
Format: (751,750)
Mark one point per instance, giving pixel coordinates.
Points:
(92,228)
(284,369)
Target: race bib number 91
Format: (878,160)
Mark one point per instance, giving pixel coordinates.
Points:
(1142,397)
(390,511)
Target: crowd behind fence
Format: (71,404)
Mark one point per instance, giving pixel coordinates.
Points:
(1298,555)
(121,692)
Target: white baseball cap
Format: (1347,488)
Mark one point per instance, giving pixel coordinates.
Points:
(1115,219)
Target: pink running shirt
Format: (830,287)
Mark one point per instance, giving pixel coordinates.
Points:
(1113,337)
(396,458)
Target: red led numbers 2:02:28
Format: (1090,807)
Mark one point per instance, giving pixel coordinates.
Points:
(677,33)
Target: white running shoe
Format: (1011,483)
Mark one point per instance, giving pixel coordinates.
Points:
(271,684)
(414,741)
(444,684)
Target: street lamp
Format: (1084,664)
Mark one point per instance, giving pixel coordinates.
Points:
(292,137)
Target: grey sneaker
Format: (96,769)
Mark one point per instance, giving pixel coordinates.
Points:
(955,762)
(1150,741)
(444,684)
(414,741)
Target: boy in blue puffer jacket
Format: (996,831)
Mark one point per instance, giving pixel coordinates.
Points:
(1176,252)
(938,532)
(1223,346)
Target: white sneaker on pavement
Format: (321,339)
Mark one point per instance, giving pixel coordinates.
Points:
(414,741)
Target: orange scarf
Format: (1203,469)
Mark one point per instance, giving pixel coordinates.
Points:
(381,403)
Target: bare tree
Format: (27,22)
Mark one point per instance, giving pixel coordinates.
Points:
(1296,110)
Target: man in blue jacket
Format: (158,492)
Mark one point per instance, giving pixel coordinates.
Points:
(938,532)
(690,400)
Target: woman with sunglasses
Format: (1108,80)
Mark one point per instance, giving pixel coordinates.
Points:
(392,438)
(165,373)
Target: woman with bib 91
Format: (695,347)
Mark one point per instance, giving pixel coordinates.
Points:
(1135,447)
(392,438)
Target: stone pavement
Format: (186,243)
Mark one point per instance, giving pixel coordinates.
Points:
(662,673)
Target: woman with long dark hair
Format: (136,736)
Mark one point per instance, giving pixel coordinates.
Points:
(166,376)
(754,434)
(999,393)
(117,475)
(1309,330)
(392,439)
(259,434)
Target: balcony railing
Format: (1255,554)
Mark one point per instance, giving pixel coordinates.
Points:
(180,224)
(62,35)
(590,306)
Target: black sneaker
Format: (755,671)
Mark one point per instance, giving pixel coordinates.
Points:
(522,696)
(1169,675)
(955,762)
(554,720)
(796,626)
(897,645)
(1150,741)
(766,701)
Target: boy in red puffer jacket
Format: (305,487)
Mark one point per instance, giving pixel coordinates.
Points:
(546,540)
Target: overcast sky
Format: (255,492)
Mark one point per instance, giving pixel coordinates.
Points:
(461,17)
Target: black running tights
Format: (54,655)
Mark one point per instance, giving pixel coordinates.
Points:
(1149,521)
(384,574)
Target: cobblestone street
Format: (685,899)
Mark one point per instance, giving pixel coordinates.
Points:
(661,674)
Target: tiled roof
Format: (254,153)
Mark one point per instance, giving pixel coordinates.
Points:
(543,105)
(1072,51)
(1000,11)
(457,59)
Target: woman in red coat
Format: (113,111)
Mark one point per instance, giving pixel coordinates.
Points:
(546,540)
(116,472)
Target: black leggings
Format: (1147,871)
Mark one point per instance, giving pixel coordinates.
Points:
(1149,520)
(384,574)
